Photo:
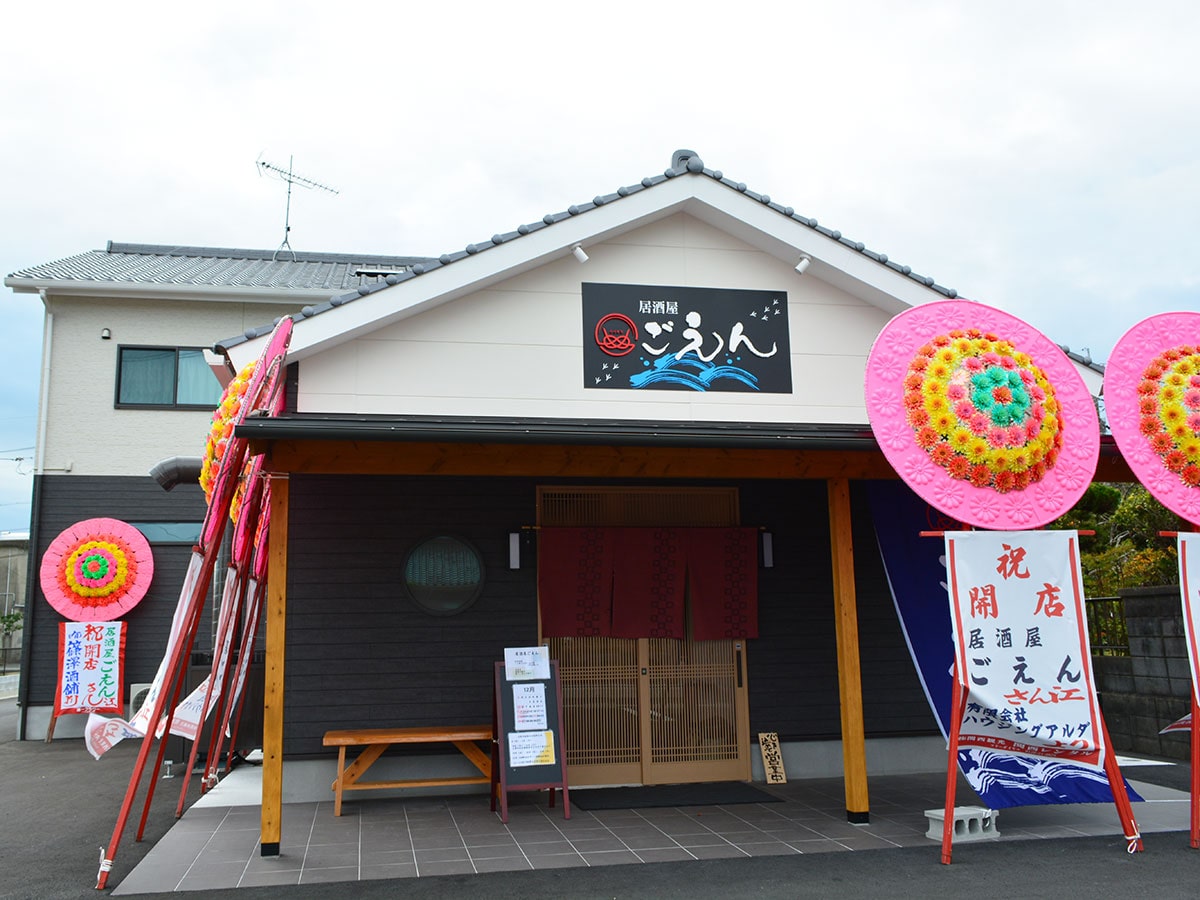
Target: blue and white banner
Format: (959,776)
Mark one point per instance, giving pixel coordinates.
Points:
(1020,632)
(1189,590)
(917,575)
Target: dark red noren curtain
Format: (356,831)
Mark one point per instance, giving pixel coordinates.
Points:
(575,581)
(649,574)
(631,582)
(723,582)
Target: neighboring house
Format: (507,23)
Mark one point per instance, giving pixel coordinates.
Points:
(14,560)
(14,564)
(126,385)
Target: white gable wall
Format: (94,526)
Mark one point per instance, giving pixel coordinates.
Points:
(84,433)
(515,349)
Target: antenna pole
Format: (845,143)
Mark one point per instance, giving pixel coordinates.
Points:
(291,178)
(287,217)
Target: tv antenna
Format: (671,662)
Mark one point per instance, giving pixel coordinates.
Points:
(291,178)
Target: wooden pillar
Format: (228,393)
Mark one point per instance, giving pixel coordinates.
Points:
(276,620)
(845,610)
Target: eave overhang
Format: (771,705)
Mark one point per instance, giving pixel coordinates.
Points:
(598,449)
(107,290)
(576,432)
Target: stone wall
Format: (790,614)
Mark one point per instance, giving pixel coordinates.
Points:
(1142,693)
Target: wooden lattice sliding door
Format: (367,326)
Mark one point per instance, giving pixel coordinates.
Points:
(602,730)
(650,710)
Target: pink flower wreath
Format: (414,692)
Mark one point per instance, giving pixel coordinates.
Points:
(220,434)
(981,415)
(97,570)
(982,410)
(1152,398)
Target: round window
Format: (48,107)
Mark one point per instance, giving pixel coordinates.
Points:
(443,575)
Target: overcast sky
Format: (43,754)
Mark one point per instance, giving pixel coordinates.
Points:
(1037,156)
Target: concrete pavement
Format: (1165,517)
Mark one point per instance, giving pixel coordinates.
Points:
(60,807)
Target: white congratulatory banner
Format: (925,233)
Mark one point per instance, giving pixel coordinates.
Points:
(1189,590)
(1021,644)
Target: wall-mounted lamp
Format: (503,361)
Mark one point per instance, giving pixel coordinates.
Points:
(105,334)
(768,551)
(514,549)
(579,254)
(802,266)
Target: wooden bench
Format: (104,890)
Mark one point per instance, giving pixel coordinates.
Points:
(375,740)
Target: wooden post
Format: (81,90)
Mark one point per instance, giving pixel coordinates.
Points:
(276,620)
(854,748)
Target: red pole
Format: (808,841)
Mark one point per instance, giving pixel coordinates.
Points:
(220,718)
(221,497)
(1195,830)
(178,680)
(243,550)
(1116,783)
(170,675)
(958,705)
(224,704)
(233,716)
(263,392)
(218,652)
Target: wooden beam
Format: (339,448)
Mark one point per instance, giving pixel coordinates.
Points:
(845,613)
(549,460)
(276,622)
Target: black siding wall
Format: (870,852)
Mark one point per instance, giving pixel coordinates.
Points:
(360,654)
(793,665)
(67,499)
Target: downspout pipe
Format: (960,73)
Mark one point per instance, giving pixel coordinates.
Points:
(39,460)
(176,470)
(27,626)
(35,523)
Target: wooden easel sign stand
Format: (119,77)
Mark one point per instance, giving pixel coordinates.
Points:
(527,721)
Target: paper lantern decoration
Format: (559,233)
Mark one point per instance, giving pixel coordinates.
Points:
(97,570)
(1152,400)
(981,415)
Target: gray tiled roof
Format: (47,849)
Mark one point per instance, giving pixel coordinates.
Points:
(339,273)
(1083,357)
(683,162)
(215,267)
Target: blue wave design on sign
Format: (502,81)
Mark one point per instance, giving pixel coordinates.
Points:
(669,370)
(1006,779)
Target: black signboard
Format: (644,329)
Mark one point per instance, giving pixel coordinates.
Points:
(659,338)
(528,729)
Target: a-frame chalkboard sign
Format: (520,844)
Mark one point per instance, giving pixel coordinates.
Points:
(527,722)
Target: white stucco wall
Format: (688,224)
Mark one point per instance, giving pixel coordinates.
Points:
(515,349)
(84,433)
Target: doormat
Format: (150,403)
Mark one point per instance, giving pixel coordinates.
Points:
(718,793)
